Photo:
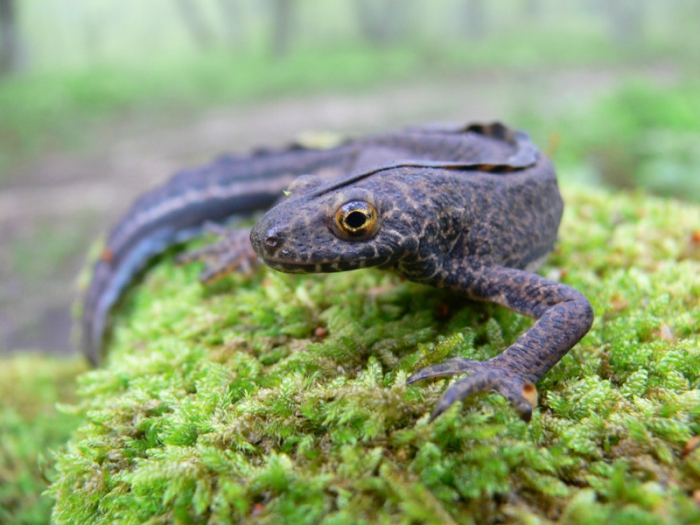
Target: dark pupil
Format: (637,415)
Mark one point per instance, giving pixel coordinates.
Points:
(355,219)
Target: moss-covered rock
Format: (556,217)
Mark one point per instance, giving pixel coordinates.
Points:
(30,427)
(282,399)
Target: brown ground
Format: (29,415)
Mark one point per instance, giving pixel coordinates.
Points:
(52,207)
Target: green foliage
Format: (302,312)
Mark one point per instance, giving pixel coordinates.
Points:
(282,399)
(57,109)
(30,427)
(34,117)
(640,136)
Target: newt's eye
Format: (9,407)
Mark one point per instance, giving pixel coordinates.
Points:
(357,220)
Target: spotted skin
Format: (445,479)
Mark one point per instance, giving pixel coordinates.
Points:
(472,209)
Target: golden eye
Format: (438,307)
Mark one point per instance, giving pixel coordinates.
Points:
(356,220)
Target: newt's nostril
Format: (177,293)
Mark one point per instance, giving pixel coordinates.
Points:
(273,240)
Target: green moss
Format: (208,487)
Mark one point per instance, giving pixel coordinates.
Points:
(282,399)
(30,426)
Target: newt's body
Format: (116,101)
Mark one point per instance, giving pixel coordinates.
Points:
(473,209)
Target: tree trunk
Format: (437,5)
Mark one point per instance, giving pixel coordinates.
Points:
(532,10)
(198,28)
(626,20)
(230,16)
(282,12)
(371,25)
(9,37)
(383,22)
(475,19)
(94,27)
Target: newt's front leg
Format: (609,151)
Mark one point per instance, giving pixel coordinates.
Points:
(563,318)
(231,253)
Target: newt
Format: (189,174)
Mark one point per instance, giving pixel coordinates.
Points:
(474,209)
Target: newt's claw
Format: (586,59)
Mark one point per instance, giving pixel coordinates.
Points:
(232,253)
(209,251)
(451,367)
(228,263)
(521,393)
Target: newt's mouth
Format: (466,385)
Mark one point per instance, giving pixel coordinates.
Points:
(314,267)
(306,267)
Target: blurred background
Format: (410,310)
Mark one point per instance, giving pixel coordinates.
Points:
(102,99)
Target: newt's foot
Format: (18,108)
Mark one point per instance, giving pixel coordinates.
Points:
(232,253)
(484,376)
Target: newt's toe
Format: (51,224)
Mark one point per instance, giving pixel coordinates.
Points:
(520,392)
(232,253)
(451,367)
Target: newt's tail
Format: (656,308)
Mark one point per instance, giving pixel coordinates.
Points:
(232,186)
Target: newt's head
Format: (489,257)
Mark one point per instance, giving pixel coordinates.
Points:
(329,227)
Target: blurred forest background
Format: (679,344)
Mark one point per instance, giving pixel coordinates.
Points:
(101,99)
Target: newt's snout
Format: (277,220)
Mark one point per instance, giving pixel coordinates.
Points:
(267,242)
